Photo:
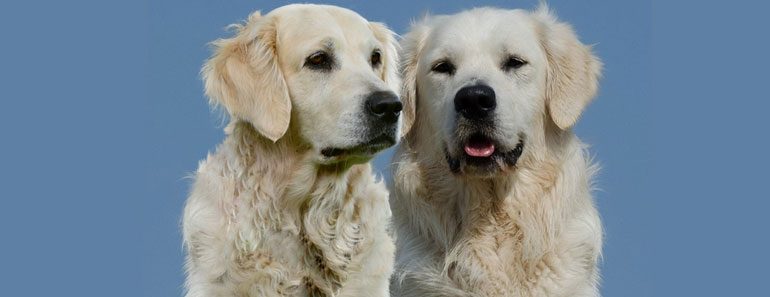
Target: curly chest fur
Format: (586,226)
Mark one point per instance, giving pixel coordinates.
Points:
(264,220)
(310,251)
(515,248)
(313,260)
(491,256)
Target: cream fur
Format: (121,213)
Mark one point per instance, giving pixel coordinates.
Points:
(268,214)
(529,230)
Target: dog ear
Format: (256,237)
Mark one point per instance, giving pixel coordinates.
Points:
(411,46)
(389,54)
(573,70)
(243,76)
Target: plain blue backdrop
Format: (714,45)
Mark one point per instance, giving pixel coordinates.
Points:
(103,118)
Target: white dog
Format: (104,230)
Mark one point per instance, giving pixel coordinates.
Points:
(287,205)
(492,190)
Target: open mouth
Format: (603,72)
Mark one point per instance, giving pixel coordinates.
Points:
(480,152)
(479,146)
(369,147)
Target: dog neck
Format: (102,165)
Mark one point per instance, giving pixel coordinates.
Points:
(287,165)
(460,206)
(320,205)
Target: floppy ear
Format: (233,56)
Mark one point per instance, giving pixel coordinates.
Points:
(244,77)
(411,45)
(573,70)
(389,55)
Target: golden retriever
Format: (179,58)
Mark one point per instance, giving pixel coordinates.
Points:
(492,191)
(288,205)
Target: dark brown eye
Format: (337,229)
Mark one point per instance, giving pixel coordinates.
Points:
(375,59)
(319,61)
(513,63)
(443,66)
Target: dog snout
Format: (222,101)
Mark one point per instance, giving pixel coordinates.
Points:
(475,102)
(383,106)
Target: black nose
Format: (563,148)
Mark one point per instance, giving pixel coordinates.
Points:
(475,102)
(384,106)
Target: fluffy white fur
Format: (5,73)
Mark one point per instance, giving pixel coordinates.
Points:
(269,214)
(526,230)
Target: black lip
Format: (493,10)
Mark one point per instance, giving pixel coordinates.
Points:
(511,157)
(332,152)
(369,147)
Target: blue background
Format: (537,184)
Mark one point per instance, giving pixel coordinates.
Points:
(103,118)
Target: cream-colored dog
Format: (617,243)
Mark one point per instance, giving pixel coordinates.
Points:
(287,205)
(492,190)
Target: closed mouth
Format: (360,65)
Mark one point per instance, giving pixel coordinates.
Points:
(369,147)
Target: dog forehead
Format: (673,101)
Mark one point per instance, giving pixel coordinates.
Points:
(302,23)
(483,29)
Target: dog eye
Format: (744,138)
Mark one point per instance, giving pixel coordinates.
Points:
(513,63)
(375,59)
(444,66)
(319,60)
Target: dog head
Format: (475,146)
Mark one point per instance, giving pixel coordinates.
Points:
(322,73)
(480,81)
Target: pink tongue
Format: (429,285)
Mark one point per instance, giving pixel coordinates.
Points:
(479,148)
